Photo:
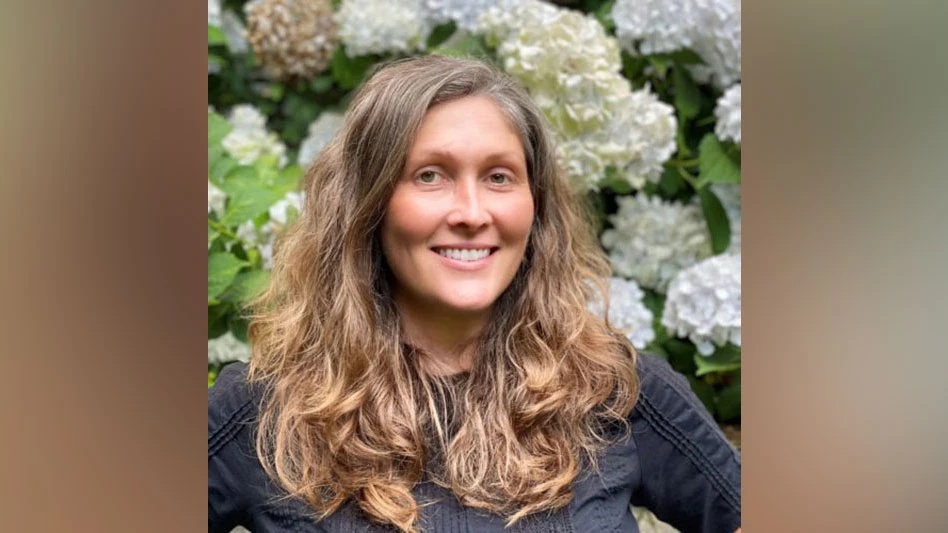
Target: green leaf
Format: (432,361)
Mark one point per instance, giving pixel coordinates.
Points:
(724,359)
(463,44)
(215,36)
(321,84)
(237,324)
(211,235)
(615,182)
(220,168)
(632,66)
(274,91)
(661,64)
(604,15)
(246,286)
(217,129)
(729,402)
(288,179)
(716,165)
(247,196)
(687,95)
(217,60)
(686,57)
(222,268)
(217,320)
(350,72)
(441,34)
(719,227)
(681,355)
(671,181)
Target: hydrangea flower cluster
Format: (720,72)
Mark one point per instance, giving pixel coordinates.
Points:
(711,28)
(249,139)
(215,199)
(292,38)
(728,114)
(571,67)
(381,26)
(321,131)
(214,13)
(263,237)
(464,13)
(235,32)
(730,196)
(227,348)
(627,313)
(704,303)
(652,239)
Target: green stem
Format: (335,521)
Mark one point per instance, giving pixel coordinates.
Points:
(689,178)
(681,163)
(223,230)
(706,121)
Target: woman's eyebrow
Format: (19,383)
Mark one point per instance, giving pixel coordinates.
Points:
(505,156)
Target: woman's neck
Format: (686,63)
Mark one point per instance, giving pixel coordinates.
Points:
(449,340)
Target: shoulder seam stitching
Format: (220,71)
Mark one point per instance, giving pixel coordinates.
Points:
(692,452)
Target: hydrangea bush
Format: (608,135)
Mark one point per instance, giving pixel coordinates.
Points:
(643,97)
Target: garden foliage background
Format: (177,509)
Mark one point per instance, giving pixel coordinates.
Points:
(644,97)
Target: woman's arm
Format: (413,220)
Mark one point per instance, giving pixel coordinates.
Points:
(229,408)
(690,472)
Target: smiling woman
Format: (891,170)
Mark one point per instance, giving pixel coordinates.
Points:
(424,359)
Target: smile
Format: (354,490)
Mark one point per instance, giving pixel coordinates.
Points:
(464,254)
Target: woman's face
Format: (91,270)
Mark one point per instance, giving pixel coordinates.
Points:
(457,225)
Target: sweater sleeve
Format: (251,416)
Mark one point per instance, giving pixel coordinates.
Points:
(691,474)
(230,412)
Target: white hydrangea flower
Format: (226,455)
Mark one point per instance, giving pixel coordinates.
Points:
(215,199)
(382,26)
(280,211)
(711,28)
(249,139)
(728,113)
(648,522)
(627,313)
(321,131)
(227,348)
(234,30)
(214,13)
(730,196)
(704,303)
(262,238)
(571,67)
(652,239)
(464,13)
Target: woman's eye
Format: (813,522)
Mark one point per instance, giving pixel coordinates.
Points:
(428,176)
(499,179)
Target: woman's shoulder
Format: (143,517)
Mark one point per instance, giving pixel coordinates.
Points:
(232,402)
(689,471)
(667,401)
(661,385)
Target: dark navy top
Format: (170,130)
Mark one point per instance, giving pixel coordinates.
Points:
(677,463)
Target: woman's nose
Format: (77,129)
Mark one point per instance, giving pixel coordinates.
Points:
(469,208)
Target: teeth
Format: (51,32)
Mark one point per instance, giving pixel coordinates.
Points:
(464,255)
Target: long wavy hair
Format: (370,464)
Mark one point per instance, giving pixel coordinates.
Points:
(349,408)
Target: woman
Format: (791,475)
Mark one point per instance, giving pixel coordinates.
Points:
(424,359)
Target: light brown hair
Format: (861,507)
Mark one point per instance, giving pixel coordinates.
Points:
(348,404)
